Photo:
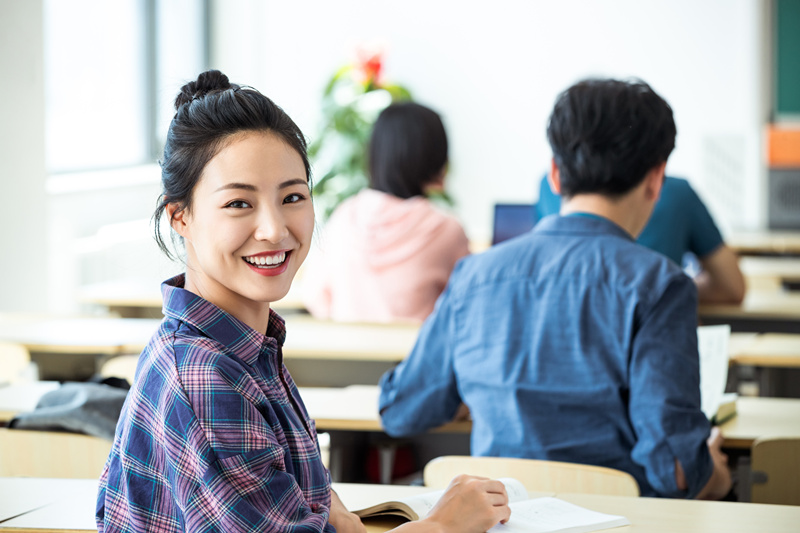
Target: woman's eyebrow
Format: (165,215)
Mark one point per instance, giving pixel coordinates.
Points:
(244,186)
(292,182)
(249,187)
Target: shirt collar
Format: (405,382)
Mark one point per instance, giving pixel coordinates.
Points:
(220,325)
(586,223)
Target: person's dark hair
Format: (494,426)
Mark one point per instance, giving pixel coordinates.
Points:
(407,150)
(209,111)
(607,134)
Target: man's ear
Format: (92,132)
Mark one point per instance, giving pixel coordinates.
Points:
(554,177)
(655,181)
(178,219)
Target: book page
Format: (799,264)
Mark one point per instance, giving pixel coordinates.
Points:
(418,506)
(423,503)
(551,515)
(712,345)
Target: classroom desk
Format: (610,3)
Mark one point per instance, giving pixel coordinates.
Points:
(763,310)
(74,347)
(776,350)
(356,409)
(760,418)
(68,505)
(764,242)
(138,298)
(317,352)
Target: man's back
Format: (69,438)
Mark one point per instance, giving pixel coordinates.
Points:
(569,343)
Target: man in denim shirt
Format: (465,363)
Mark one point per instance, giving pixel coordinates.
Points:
(572,342)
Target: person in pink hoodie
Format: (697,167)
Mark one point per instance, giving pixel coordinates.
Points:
(386,253)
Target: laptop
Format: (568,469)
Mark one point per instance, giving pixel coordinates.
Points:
(511,220)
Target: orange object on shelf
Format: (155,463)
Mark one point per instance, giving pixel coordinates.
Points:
(783,146)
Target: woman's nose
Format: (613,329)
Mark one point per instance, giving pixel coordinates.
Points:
(271,226)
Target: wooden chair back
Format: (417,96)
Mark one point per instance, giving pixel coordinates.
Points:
(50,454)
(120,366)
(14,359)
(775,471)
(536,475)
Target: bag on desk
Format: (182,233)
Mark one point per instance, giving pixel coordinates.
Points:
(90,408)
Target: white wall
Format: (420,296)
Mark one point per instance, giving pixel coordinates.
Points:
(493,69)
(23,213)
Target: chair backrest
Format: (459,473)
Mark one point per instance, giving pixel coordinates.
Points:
(775,471)
(536,475)
(14,359)
(25,453)
(120,366)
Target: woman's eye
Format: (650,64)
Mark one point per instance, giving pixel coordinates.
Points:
(292,198)
(238,204)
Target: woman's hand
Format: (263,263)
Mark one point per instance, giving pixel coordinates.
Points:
(343,520)
(470,504)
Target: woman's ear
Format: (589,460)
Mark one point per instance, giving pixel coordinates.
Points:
(178,219)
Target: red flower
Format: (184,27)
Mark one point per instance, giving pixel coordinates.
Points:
(368,67)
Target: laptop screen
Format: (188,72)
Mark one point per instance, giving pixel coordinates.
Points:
(511,220)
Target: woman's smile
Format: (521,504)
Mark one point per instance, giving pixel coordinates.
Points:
(269,263)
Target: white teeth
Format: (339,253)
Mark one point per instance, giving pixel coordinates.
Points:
(267,260)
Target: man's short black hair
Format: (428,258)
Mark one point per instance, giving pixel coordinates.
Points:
(607,134)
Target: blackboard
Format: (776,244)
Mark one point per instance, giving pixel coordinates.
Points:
(787,58)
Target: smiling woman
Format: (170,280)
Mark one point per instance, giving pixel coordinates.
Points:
(214,435)
(249,226)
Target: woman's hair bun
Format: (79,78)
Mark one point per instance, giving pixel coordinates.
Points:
(207,82)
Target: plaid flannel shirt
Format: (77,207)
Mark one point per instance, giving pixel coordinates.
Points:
(213,435)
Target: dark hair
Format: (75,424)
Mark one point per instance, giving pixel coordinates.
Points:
(607,134)
(208,112)
(407,150)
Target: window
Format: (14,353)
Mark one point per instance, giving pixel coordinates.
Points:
(111,72)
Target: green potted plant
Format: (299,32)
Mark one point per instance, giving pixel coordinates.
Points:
(352,100)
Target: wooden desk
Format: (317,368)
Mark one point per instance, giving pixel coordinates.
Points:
(765,242)
(322,353)
(318,353)
(657,515)
(354,408)
(73,348)
(68,505)
(138,298)
(761,417)
(763,310)
(778,350)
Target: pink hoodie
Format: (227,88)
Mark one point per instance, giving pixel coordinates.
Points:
(381,258)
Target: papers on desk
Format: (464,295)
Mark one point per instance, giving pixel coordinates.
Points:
(537,515)
(712,345)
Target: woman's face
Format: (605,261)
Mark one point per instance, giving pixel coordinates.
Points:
(250,224)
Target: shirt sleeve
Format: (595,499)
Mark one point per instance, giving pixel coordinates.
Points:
(421,392)
(704,236)
(247,485)
(665,393)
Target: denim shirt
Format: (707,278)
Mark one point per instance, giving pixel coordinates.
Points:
(569,343)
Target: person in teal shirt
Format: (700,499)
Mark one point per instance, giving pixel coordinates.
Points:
(680,225)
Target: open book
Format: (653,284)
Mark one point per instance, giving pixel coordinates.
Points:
(712,345)
(537,515)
